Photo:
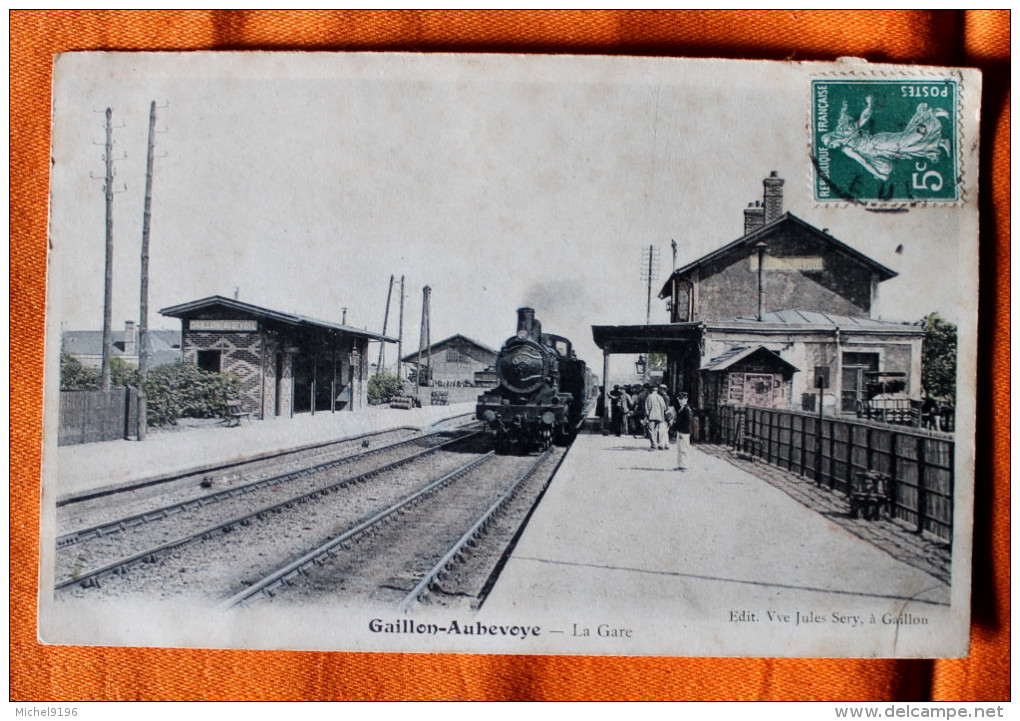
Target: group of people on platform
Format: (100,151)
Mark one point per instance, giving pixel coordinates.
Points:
(651,412)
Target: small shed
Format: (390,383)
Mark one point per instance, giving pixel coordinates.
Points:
(748,376)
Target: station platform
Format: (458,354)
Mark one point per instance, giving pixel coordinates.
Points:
(91,467)
(621,532)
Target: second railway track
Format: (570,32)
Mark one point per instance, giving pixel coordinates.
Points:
(114,547)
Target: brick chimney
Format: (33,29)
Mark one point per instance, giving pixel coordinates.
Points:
(130,339)
(773,196)
(754,217)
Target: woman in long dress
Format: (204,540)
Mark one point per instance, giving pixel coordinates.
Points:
(921,138)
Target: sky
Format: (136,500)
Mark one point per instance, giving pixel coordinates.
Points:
(302,182)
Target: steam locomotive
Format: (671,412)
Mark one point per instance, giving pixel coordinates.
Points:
(543,392)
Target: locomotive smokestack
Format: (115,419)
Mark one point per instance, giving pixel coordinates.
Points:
(525,317)
(526,322)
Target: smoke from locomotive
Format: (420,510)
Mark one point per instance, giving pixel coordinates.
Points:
(544,391)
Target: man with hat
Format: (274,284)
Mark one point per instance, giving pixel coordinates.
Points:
(684,428)
(655,414)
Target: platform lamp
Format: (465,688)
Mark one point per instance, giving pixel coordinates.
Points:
(641,365)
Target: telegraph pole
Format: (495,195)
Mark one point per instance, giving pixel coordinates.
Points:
(108,289)
(428,329)
(649,272)
(424,340)
(400,336)
(386,318)
(143,313)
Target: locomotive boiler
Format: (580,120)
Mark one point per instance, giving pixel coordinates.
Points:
(543,390)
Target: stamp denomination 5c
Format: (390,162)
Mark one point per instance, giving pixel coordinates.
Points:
(885,141)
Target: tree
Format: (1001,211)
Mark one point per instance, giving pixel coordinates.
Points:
(656,361)
(938,359)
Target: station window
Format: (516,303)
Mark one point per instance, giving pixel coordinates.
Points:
(855,365)
(455,356)
(209,360)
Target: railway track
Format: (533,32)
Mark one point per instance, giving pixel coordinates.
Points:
(469,539)
(291,571)
(117,564)
(401,554)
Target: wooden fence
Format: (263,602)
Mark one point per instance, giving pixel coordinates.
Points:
(91,416)
(832,451)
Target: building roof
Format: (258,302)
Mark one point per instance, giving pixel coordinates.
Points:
(164,345)
(653,338)
(734,355)
(760,234)
(798,318)
(413,357)
(192,308)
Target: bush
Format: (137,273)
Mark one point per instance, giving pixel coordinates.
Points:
(183,390)
(76,376)
(123,373)
(382,387)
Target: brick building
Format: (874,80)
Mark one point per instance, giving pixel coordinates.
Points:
(287,363)
(457,360)
(759,320)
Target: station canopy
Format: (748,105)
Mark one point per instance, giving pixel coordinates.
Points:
(631,339)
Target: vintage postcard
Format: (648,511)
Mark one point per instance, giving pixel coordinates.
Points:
(510,354)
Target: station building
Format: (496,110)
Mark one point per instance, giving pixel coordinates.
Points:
(457,361)
(287,363)
(769,317)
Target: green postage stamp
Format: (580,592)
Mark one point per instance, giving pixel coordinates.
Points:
(888,141)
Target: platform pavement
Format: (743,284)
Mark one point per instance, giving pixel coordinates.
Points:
(620,530)
(88,467)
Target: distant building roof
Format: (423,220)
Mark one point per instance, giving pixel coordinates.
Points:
(413,357)
(195,307)
(164,345)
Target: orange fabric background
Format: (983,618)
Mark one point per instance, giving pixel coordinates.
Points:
(968,38)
